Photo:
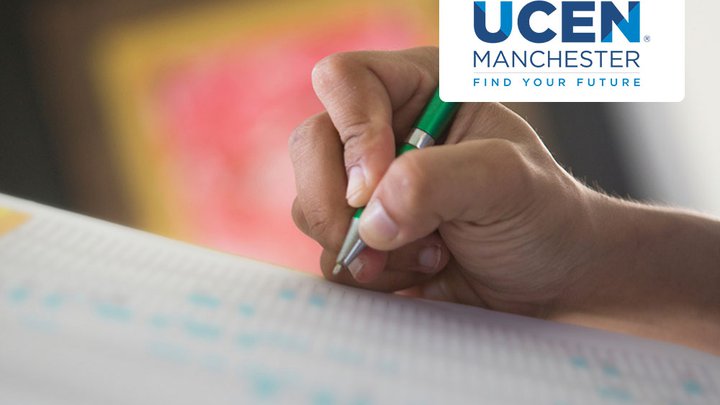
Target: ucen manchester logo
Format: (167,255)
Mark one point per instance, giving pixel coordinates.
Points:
(562,50)
(609,15)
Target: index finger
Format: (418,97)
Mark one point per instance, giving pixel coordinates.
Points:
(369,96)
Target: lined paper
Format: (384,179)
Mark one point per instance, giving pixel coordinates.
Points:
(92,312)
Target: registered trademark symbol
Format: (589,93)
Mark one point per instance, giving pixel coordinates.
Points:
(647,38)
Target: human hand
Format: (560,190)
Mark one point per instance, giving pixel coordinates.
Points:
(488,218)
(510,222)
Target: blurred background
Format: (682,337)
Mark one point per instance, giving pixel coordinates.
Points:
(173,116)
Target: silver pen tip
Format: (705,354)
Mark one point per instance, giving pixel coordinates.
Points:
(337,269)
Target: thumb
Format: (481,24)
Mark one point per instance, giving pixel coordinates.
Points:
(481,181)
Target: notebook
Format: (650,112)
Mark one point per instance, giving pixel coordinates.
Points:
(95,313)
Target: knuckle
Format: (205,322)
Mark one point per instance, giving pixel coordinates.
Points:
(502,151)
(331,67)
(317,223)
(364,138)
(321,228)
(484,111)
(352,133)
(298,216)
(366,133)
(353,150)
(304,136)
(297,138)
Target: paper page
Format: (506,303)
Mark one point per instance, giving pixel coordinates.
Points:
(95,313)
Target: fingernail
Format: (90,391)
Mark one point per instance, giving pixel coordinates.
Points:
(356,268)
(429,258)
(378,223)
(356,184)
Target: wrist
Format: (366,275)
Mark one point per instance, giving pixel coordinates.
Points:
(651,271)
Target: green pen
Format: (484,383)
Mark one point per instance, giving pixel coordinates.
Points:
(429,128)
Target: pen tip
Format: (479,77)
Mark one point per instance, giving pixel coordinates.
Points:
(337,269)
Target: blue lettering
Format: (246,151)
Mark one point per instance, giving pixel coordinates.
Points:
(485,58)
(524,22)
(609,16)
(481,23)
(569,21)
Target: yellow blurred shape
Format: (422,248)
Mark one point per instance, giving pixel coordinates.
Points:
(10,220)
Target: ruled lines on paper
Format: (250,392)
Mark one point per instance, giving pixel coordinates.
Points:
(259,332)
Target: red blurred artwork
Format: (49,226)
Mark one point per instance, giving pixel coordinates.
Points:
(225,117)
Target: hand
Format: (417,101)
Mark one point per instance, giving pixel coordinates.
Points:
(507,217)
(488,219)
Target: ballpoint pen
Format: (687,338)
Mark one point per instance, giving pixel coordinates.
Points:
(427,130)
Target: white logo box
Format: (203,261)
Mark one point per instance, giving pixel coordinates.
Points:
(660,54)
